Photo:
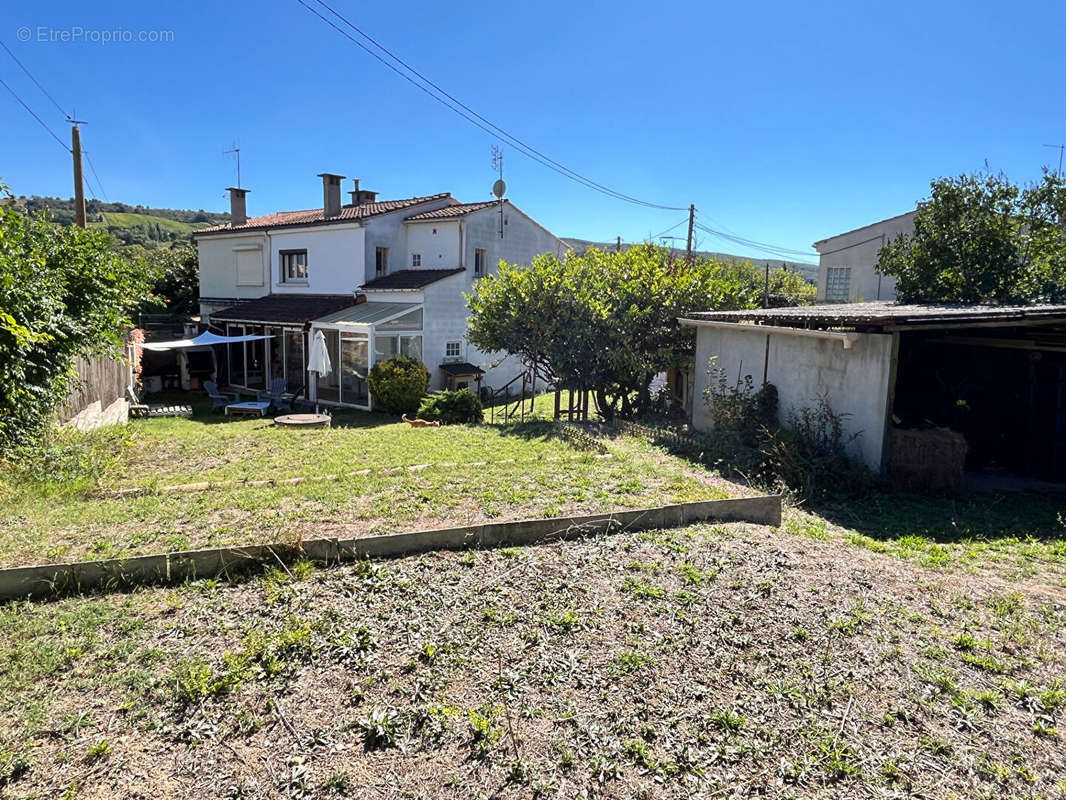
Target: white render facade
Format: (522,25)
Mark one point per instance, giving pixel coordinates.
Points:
(847,262)
(378,278)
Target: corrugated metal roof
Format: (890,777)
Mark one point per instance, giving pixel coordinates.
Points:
(367,313)
(884,314)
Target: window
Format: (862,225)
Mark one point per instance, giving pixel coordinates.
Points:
(386,347)
(837,284)
(381,262)
(416,259)
(453,349)
(479,262)
(293,266)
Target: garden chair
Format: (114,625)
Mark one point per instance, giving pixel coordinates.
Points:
(276,395)
(219,399)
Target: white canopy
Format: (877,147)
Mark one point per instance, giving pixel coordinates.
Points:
(205,338)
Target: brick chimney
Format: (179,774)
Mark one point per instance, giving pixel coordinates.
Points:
(331,193)
(238,208)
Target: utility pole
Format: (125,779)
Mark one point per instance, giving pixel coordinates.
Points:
(691,222)
(618,245)
(79,190)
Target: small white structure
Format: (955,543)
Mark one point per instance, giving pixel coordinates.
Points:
(847,262)
(377,278)
(994,375)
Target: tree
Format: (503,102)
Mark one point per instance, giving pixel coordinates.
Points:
(64,293)
(982,239)
(178,285)
(605,321)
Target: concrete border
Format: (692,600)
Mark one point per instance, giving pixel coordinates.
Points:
(51,580)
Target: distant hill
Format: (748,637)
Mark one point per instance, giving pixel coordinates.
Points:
(131,225)
(808,271)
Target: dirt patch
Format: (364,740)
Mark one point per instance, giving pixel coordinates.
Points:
(712,661)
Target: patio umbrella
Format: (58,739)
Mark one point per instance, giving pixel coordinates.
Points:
(318,359)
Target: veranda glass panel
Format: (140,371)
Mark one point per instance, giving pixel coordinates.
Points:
(275,347)
(411,346)
(255,359)
(385,347)
(236,356)
(355,350)
(411,321)
(294,359)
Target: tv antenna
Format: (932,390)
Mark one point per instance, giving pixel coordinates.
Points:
(236,151)
(499,188)
(1060,148)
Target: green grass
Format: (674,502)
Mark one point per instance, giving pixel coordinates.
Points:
(131,220)
(367,474)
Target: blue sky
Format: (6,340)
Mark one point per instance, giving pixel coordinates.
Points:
(785,122)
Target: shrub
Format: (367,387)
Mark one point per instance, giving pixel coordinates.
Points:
(398,384)
(452,408)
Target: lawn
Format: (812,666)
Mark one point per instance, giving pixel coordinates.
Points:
(124,491)
(890,646)
(712,661)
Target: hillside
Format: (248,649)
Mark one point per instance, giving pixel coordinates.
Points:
(130,224)
(807,270)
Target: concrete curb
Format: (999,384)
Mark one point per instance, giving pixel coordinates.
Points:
(51,580)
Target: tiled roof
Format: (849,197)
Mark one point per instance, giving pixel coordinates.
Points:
(410,279)
(883,313)
(449,212)
(316,216)
(295,309)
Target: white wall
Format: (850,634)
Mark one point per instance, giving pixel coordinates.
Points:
(334,259)
(389,230)
(858,249)
(436,241)
(522,239)
(218,266)
(802,368)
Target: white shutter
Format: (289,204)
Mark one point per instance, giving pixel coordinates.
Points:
(249,267)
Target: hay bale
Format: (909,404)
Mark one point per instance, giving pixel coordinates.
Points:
(933,459)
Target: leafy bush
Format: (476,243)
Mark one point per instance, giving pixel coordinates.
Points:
(452,408)
(398,385)
(64,293)
(807,455)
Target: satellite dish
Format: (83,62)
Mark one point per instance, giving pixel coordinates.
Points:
(499,188)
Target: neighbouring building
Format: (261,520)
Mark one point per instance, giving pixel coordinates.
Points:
(377,277)
(847,262)
(922,387)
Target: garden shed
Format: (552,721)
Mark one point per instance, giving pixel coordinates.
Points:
(921,387)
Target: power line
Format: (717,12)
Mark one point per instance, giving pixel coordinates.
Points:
(671,228)
(472,116)
(34,115)
(99,182)
(769,249)
(35,81)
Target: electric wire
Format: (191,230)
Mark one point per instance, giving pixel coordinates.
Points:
(472,116)
(99,182)
(671,228)
(34,115)
(35,81)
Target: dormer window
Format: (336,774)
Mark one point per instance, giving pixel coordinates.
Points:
(416,259)
(293,266)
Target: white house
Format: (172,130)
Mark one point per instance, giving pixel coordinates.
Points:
(378,277)
(847,262)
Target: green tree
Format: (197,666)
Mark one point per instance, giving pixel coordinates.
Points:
(605,321)
(178,286)
(982,239)
(398,384)
(64,293)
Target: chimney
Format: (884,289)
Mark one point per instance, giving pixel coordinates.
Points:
(238,209)
(331,193)
(360,197)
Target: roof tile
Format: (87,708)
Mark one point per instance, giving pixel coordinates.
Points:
(410,279)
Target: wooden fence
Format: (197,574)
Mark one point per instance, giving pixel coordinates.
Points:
(100,380)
